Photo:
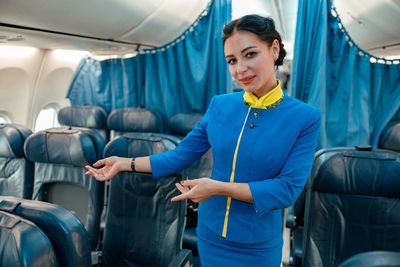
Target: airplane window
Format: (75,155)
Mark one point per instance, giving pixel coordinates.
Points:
(47,118)
(4,118)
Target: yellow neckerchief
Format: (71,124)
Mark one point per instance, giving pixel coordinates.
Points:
(269,100)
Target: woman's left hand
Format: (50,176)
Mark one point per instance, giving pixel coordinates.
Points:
(196,190)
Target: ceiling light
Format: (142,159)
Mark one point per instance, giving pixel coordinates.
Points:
(16,51)
(70,55)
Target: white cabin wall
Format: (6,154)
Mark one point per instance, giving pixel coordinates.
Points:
(19,67)
(53,81)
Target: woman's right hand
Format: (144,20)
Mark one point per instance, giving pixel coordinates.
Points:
(110,167)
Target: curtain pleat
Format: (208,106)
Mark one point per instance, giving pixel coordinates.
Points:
(177,78)
(357,97)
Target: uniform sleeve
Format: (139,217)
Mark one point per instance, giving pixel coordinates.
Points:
(191,148)
(282,191)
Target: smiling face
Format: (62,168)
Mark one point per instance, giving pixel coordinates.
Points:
(252,61)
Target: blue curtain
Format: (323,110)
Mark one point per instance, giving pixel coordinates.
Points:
(179,77)
(357,97)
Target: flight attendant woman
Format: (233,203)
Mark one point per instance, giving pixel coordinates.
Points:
(263,144)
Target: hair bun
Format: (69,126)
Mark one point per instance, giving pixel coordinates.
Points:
(269,23)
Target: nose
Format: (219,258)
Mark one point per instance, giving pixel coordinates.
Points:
(241,68)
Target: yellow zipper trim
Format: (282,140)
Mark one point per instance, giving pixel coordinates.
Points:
(232,178)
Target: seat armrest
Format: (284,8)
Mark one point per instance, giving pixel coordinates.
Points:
(298,246)
(96,256)
(183,258)
(291,218)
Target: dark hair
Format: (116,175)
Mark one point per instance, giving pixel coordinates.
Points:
(263,27)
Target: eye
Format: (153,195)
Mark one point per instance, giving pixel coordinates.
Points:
(251,54)
(231,61)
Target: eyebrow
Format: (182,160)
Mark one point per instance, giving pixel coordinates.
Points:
(244,50)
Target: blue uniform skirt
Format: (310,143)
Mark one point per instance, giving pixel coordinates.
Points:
(216,251)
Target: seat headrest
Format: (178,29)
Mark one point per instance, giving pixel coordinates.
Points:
(372,173)
(135,120)
(12,138)
(140,144)
(390,137)
(71,146)
(83,116)
(182,123)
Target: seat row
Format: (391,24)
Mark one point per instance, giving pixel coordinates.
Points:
(57,157)
(133,120)
(350,203)
(125,120)
(349,211)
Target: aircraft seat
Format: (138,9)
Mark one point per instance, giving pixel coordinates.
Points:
(180,125)
(23,244)
(390,137)
(59,155)
(127,120)
(16,172)
(352,205)
(143,227)
(67,234)
(92,117)
(295,222)
(373,259)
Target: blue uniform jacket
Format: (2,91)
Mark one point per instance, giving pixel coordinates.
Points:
(275,156)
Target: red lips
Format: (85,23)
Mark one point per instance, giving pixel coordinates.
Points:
(246,80)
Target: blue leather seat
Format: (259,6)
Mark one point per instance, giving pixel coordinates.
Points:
(59,155)
(66,233)
(295,222)
(352,205)
(23,244)
(373,259)
(91,117)
(16,173)
(128,120)
(87,117)
(143,227)
(180,125)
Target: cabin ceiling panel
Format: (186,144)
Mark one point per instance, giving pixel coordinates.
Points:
(166,23)
(46,40)
(104,19)
(372,24)
(154,22)
(116,26)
